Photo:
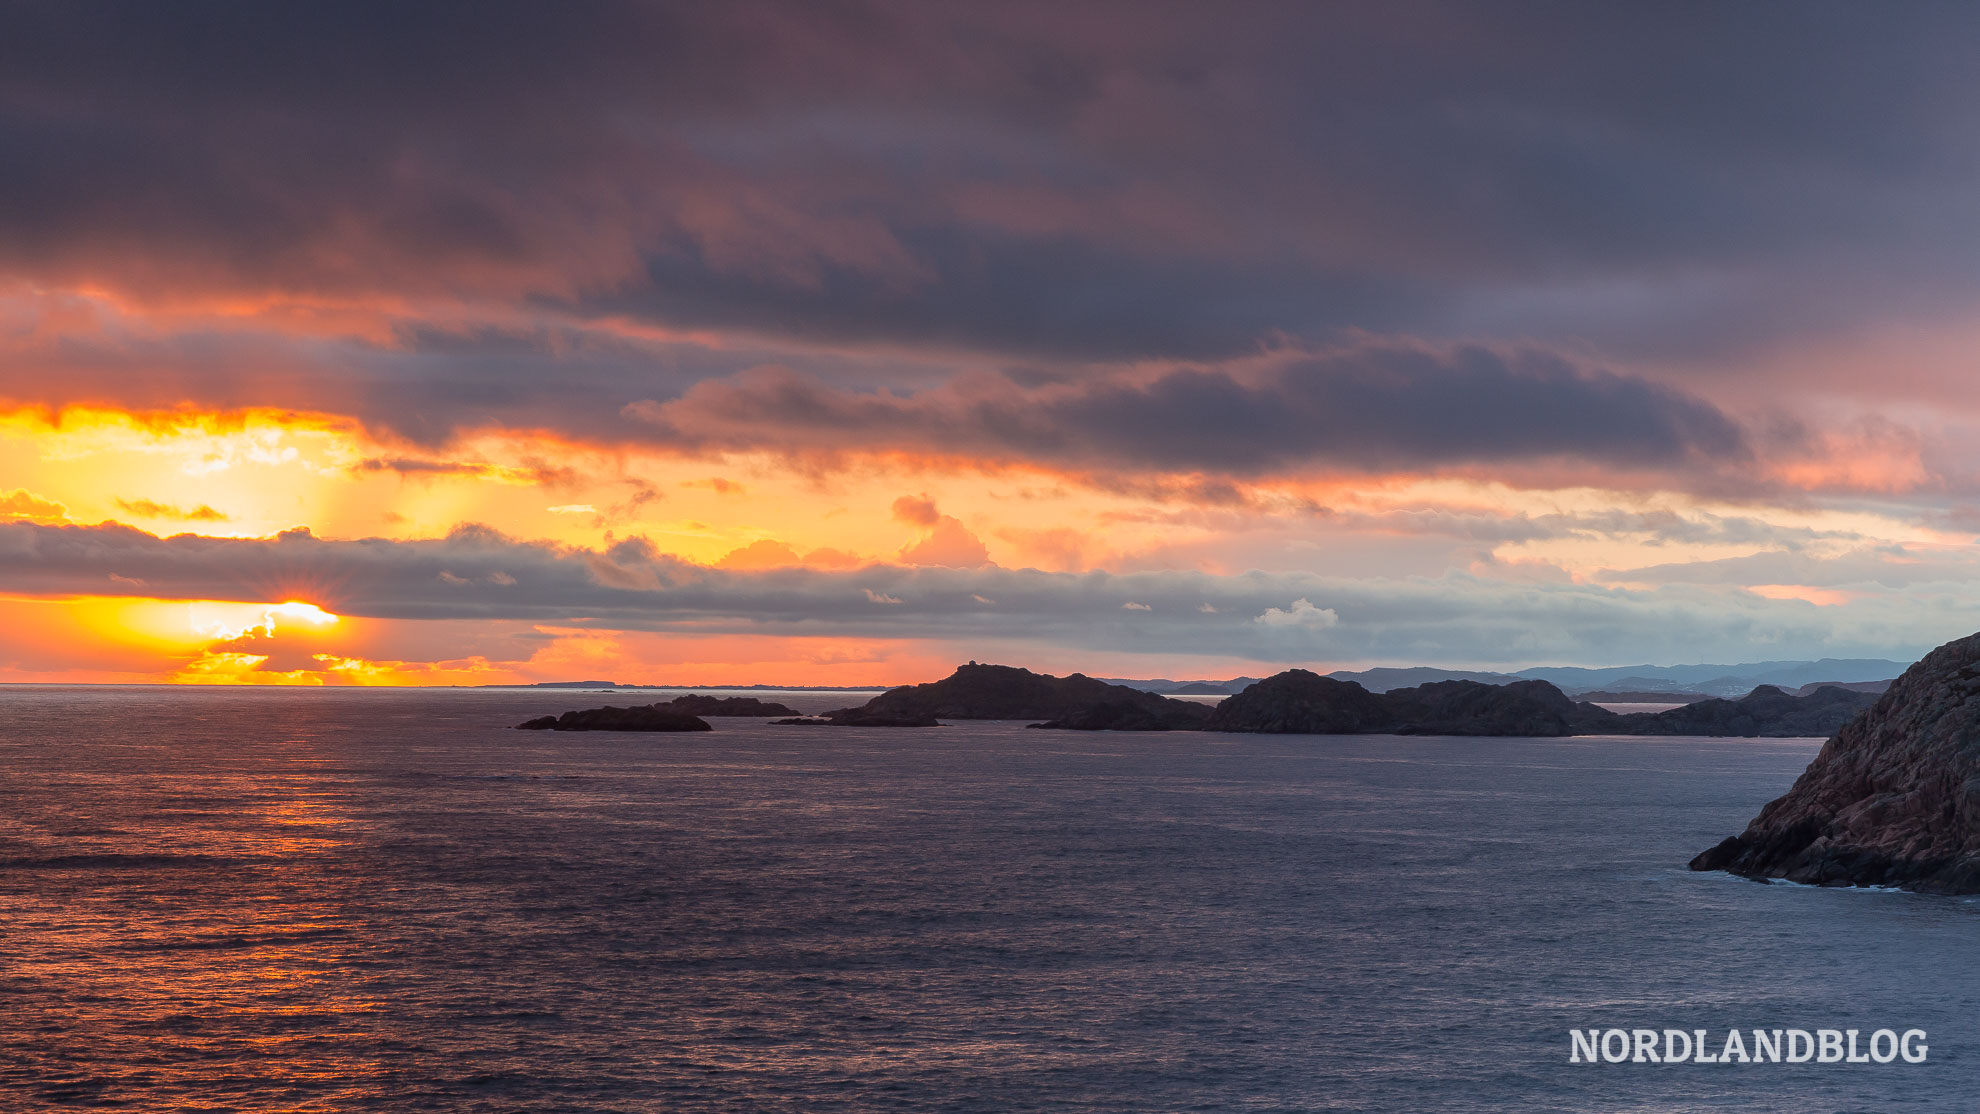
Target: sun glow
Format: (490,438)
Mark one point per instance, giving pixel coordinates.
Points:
(223,621)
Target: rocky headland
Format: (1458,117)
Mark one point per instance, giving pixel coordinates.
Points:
(1893,799)
(646,717)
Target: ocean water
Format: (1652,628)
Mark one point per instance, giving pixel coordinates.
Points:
(361,900)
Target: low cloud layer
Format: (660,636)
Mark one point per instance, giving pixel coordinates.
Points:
(1267,618)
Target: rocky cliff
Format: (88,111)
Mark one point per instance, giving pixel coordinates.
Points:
(1893,799)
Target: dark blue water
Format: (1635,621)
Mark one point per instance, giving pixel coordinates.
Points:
(346,900)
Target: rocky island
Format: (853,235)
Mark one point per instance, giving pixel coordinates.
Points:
(976,691)
(1892,800)
(1300,702)
(1766,712)
(695,704)
(1296,701)
(647,717)
(683,713)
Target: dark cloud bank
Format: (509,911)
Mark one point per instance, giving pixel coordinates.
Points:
(1063,188)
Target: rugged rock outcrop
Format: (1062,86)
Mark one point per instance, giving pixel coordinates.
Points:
(1892,800)
(695,704)
(646,717)
(1766,712)
(1299,702)
(1003,692)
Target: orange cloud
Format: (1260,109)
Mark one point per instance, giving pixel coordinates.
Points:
(948,542)
(21,503)
(145,508)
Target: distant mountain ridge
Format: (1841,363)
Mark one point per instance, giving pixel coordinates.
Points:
(1705,680)
(1387,678)
(1719,680)
(1679,682)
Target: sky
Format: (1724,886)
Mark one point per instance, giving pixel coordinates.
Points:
(838,343)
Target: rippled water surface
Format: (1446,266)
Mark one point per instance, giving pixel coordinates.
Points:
(349,900)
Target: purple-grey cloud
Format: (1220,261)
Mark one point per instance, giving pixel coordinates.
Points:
(1369,409)
(1104,181)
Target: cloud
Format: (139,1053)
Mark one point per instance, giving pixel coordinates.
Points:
(145,508)
(764,553)
(1302,615)
(640,197)
(1453,619)
(536,473)
(1133,606)
(948,542)
(21,503)
(1366,409)
(917,510)
(995,178)
(768,553)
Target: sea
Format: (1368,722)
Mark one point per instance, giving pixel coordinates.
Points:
(343,899)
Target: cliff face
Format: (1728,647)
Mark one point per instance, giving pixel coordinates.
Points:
(1893,799)
(1299,702)
(1765,712)
(1003,692)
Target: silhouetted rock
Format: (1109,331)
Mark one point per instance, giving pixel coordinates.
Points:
(1893,799)
(1766,712)
(649,717)
(1299,702)
(1473,708)
(695,704)
(1003,692)
(1877,687)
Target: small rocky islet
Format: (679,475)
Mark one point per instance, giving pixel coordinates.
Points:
(683,713)
(646,717)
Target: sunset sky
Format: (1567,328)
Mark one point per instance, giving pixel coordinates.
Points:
(840,343)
